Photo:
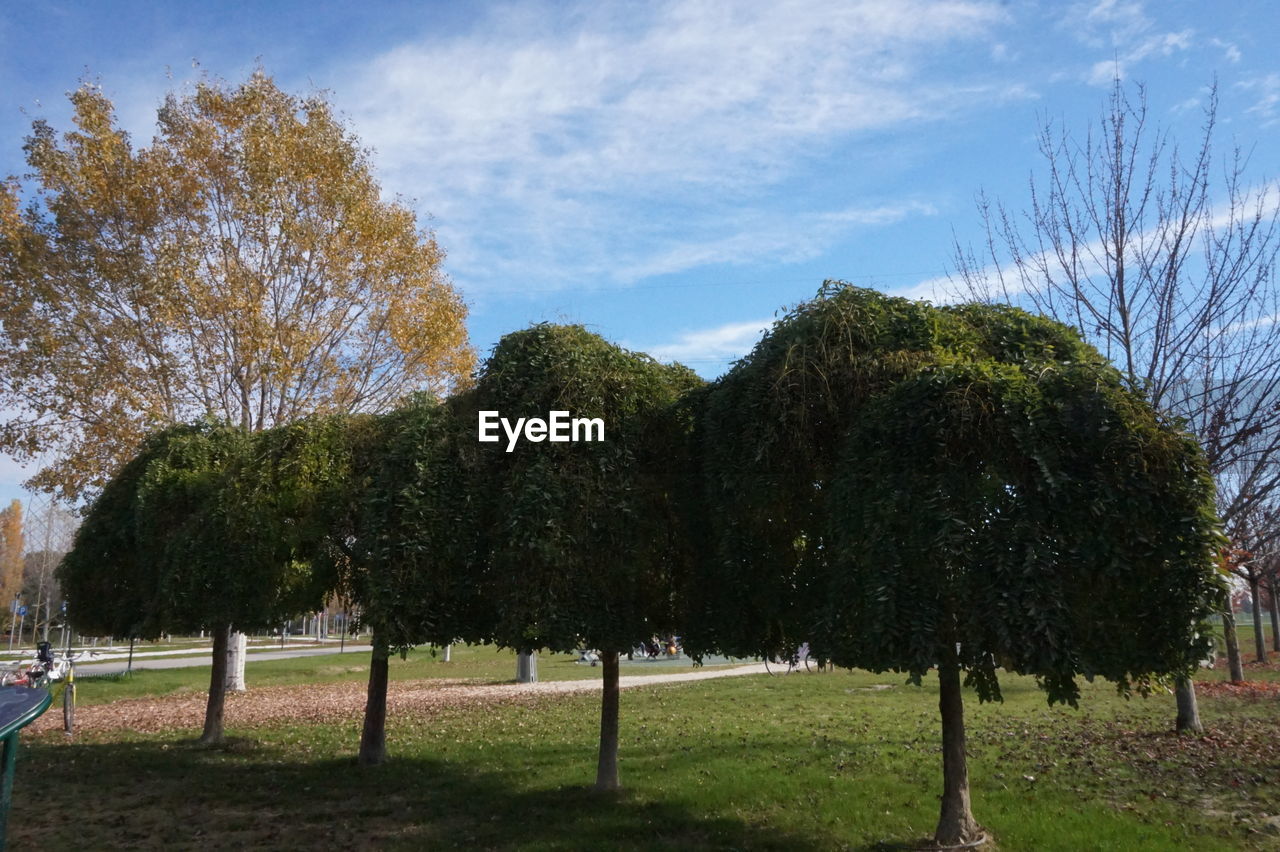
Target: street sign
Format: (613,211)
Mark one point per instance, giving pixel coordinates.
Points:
(22,610)
(64,606)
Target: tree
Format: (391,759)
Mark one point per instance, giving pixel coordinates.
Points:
(577,534)
(211,527)
(970,488)
(415,571)
(1169,273)
(242,267)
(12,550)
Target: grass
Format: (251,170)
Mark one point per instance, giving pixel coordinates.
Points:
(802,762)
(481,663)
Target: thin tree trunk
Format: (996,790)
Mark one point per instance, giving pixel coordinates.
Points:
(213,712)
(373,740)
(1188,710)
(1275,617)
(956,824)
(1234,666)
(1259,632)
(607,770)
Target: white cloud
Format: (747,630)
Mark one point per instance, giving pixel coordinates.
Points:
(757,238)
(1267,90)
(1124,30)
(721,344)
(1229,50)
(536,136)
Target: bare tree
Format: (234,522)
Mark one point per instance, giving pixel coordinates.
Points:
(1165,262)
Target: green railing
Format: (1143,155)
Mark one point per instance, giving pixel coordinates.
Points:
(19,707)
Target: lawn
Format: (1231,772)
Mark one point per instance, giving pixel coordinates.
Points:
(818,761)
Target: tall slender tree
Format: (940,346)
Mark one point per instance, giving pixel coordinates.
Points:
(12,551)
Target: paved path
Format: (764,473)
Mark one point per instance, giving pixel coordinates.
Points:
(118,666)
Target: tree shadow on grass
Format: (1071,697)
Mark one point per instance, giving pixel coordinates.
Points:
(156,794)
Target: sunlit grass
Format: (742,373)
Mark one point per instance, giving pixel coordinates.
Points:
(806,761)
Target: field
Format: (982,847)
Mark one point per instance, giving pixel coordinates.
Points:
(807,761)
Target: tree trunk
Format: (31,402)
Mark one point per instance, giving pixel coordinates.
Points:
(1188,710)
(1275,617)
(373,740)
(212,734)
(448,653)
(1259,632)
(607,769)
(527,667)
(956,824)
(1234,666)
(236,650)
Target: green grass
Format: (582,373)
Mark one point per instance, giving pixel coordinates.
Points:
(483,663)
(799,762)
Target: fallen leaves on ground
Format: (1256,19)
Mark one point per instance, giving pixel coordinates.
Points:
(331,702)
(1239,688)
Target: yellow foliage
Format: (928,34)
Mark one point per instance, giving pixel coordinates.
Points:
(243,266)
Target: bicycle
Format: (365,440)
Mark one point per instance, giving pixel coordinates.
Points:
(798,659)
(49,669)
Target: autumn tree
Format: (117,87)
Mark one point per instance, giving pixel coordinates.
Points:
(243,267)
(12,550)
(967,489)
(1167,264)
(577,535)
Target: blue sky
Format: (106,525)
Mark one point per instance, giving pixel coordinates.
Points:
(670,174)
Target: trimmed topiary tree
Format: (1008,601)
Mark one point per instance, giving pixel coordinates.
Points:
(576,536)
(962,488)
(416,574)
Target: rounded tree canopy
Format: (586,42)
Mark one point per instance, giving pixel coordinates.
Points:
(576,534)
(882,476)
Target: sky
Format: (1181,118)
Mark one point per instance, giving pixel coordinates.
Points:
(674,174)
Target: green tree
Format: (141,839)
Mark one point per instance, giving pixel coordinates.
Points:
(1166,261)
(415,571)
(576,535)
(212,527)
(975,488)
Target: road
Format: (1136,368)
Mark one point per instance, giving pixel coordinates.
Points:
(118,666)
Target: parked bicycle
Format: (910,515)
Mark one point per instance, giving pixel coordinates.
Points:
(48,669)
(799,659)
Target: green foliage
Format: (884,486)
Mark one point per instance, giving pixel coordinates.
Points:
(282,503)
(211,525)
(110,590)
(881,478)
(417,576)
(885,479)
(576,536)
